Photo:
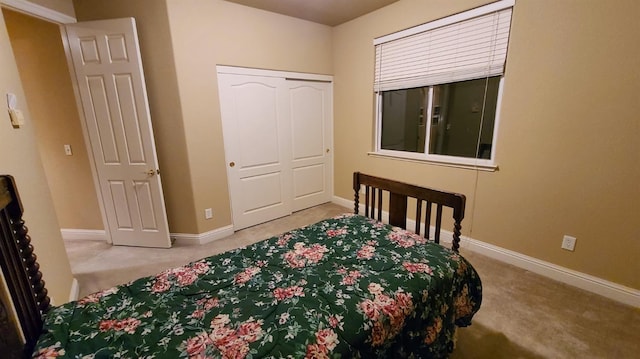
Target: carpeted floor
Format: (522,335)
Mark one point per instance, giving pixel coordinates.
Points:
(523,315)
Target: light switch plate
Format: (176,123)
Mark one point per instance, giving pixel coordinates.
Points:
(17,118)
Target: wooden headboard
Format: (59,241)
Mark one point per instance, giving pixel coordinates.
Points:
(398,194)
(20,269)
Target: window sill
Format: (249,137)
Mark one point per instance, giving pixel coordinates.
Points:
(419,158)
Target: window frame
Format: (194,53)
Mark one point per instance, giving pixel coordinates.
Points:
(455,161)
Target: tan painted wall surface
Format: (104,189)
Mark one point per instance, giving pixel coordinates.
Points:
(567,146)
(207,33)
(164,102)
(45,78)
(184,98)
(20,158)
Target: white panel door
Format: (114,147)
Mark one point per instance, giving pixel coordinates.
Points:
(255,124)
(108,70)
(310,104)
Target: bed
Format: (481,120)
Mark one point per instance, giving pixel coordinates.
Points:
(348,286)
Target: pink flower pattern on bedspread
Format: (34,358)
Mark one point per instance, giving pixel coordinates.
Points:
(344,287)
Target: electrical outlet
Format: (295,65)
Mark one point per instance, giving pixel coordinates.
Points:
(208,213)
(568,243)
(67,150)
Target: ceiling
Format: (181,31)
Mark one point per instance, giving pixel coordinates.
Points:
(327,12)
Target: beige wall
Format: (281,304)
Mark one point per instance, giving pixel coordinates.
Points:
(207,33)
(20,158)
(181,43)
(567,145)
(42,64)
(164,100)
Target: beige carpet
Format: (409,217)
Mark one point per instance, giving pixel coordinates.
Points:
(523,315)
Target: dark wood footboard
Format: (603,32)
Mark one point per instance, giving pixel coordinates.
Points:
(399,192)
(20,268)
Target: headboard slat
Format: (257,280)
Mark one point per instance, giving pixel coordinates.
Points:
(438,221)
(397,210)
(418,215)
(427,220)
(379,204)
(366,202)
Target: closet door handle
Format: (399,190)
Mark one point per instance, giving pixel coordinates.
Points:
(231,164)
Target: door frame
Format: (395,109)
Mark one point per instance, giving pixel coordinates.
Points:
(39,11)
(250,71)
(61,19)
(85,133)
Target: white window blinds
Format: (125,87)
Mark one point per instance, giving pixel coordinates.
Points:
(472,48)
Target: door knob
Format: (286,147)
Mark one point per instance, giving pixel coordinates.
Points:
(151,173)
(327,150)
(231,164)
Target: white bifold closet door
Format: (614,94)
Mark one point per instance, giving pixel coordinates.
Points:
(277,130)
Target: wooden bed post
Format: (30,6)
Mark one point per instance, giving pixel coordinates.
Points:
(356,190)
(458,215)
(19,265)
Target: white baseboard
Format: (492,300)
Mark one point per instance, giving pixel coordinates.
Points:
(90,234)
(349,204)
(182,238)
(202,238)
(75,290)
(581,280)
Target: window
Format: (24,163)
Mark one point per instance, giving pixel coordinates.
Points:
(438,87)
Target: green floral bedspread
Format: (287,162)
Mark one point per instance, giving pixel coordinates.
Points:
(343,287)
